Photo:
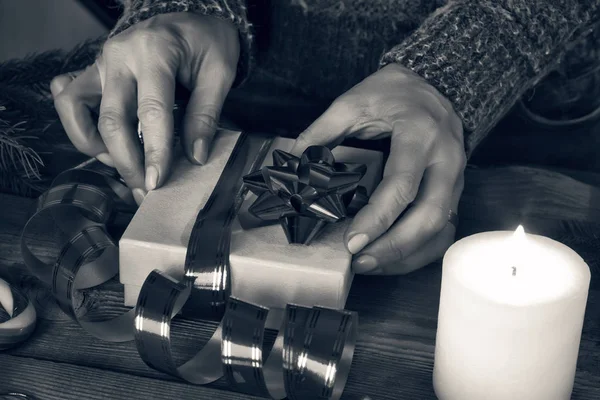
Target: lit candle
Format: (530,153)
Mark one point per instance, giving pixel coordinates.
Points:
(510,319)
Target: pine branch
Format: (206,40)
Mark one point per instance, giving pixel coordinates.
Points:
(19,164)
(29,124)
(37,70)
(21,104)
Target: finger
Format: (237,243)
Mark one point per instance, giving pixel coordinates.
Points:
(399,187)
(156,96)
(60,82)
(432,251)
(425,219)
(329,129)
(74,101)
(203,110)
(116,125)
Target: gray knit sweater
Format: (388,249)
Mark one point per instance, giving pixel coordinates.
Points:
(482,55)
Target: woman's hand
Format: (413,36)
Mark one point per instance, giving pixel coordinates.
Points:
(424,170)
(134,78)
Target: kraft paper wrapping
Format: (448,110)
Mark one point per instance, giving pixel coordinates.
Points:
(265,268)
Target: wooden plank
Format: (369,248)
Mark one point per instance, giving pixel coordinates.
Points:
(398,315)
(404,344)
(54,381)
(396,340)
(497,194)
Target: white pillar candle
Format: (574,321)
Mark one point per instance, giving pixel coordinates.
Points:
(510,319)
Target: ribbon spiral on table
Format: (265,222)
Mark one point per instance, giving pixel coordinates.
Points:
(18,317)
(313,351)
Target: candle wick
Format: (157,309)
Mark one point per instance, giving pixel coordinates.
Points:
(514,272)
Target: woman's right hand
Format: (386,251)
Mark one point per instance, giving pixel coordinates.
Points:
(134,79)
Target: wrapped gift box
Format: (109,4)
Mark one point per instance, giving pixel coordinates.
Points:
(265,268)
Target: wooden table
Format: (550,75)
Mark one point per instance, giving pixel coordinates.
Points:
(394,353)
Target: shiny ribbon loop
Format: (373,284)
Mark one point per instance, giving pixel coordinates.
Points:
(73,213)
(205,287)
(313,351)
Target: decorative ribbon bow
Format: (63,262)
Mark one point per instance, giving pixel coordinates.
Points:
(306,193)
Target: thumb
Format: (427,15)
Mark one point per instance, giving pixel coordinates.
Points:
(60,82)
(330,129)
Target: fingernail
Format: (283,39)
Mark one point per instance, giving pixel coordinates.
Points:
(105,159)
(59,84)
(151,178)
(357,242)
(200,151)
(365,264)
(138,195)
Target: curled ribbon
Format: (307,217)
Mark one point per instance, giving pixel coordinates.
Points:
(313,351)
(306,193)
(20,320)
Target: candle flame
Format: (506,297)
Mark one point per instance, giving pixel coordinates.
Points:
(518,240)
(519,233)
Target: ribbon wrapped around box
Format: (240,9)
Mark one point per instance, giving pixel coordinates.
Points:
(313,351)
(265,268)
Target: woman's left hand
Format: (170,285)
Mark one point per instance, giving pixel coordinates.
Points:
(425,168)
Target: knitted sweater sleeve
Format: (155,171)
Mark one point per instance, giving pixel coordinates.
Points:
(135,11)
(483,55)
